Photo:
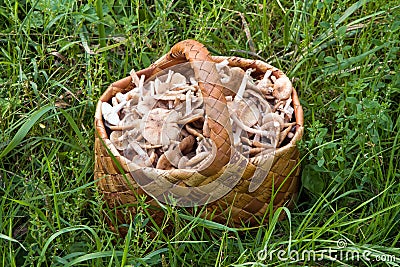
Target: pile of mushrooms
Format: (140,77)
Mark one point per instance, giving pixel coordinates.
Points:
(160,122)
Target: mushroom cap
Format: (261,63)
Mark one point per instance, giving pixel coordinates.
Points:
(163,163)
(129,152)
(272,117)
(196,114)
(117,141)
(106,108)
(177,79)
(160,127)
(147,104)
(161,88)
(265,82)
(282,88)
(112,118)
(249,113)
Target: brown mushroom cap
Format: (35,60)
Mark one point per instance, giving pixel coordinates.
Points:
(282,88)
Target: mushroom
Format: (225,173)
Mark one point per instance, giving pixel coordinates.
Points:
(248,129)
(193,81)
(141,87)
(252,152)
(204,156)
(173,155)
(233,80)
(144,160)
(288,110)
(274,126)
(146,105)
(129,122)
(120,97)
(133,96)
(160,127)
(284,134)
(110,113)
(169,76)
(190,103)
(177,80)
(163,163)
(193,131)
(236,135)
(114,101)
(195,115)
(246,141)
(187,144)
(220,66)
(135,78)
(266,108)
(117,141)
(151,88)
(265,82)
(249,113)
(246,110)
(171,158)
(197,159)
(270,117)
(282,88)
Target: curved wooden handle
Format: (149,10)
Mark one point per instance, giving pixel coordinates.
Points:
(216,110)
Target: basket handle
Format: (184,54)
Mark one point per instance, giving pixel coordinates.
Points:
(216,109)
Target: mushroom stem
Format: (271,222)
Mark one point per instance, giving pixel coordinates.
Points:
(236,136)
(114,101)
(169,77)
(239,95)
(259,144)
(193,131)
(248,129)
(246,141)
(123,127)
(135,78)
(156,85)
(141,87)
(188,103)
(152,90)
(139,150)
(197,159)
(193,81)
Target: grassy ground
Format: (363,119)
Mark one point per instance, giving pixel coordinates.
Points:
(56,58)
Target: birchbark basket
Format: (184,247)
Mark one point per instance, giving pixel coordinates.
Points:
(239,207)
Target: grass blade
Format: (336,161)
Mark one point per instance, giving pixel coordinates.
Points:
(5,237)
(23,131)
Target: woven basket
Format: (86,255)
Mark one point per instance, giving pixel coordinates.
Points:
(237,208)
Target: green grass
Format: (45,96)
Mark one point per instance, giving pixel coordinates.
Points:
(57,57)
